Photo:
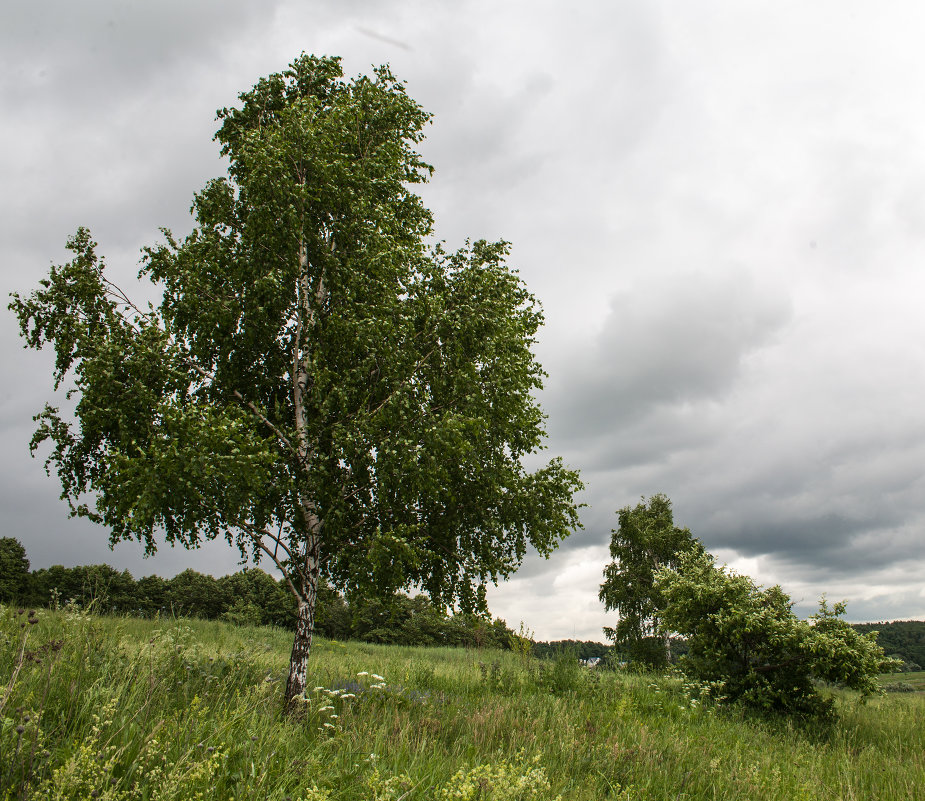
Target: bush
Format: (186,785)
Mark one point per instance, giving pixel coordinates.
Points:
(749,639)
(562,675)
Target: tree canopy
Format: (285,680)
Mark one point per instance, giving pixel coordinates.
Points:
(318,385)
(903,638)
(14,570)
(645,540)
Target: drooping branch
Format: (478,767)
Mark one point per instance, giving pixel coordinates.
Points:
(251,406)
(257,535)
(117,292)
(263,547)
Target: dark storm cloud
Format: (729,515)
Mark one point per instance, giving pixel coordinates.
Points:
(818,537)
(802,539)
(110,112)
(677,393)
(664,345)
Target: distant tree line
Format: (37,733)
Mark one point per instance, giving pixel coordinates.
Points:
(253,597)
(903,639)
(583,649)
(248,597)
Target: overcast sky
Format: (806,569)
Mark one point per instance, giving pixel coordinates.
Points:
(721,207)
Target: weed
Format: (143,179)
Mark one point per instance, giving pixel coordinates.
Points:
(506,780)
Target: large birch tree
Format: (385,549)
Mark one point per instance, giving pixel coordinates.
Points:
(317,385)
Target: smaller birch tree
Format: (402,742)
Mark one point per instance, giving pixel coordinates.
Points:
(645,540)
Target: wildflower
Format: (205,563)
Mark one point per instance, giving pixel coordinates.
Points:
(329,725)
(318,689)
(363,673)
(378,677)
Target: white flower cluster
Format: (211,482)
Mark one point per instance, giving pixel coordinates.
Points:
(326,702)
(325,709)
(380,681)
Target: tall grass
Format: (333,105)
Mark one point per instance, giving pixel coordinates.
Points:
(96,707)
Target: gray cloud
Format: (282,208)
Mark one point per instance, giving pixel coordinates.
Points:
(720,211)
(664,346)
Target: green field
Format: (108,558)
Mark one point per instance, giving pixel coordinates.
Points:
(118,708)
(915,680)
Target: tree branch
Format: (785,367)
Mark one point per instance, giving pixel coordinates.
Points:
(117,292)
(249,404)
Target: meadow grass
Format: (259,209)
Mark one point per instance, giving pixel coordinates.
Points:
(121,708)
(915,680)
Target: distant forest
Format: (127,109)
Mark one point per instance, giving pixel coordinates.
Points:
(904,639)
(253,597)
(250,597)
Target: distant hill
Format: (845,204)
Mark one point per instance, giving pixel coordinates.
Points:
(904,638)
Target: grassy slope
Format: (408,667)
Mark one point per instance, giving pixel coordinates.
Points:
(916,679)
(186,709)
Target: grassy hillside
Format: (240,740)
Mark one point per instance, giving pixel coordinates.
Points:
(903,637)
(906,682)
(133,709)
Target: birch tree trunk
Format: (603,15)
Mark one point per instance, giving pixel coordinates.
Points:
(305,623)
(305,627)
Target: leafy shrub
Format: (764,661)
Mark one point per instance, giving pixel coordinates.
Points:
(505,781)
(500,678)
(750,639)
